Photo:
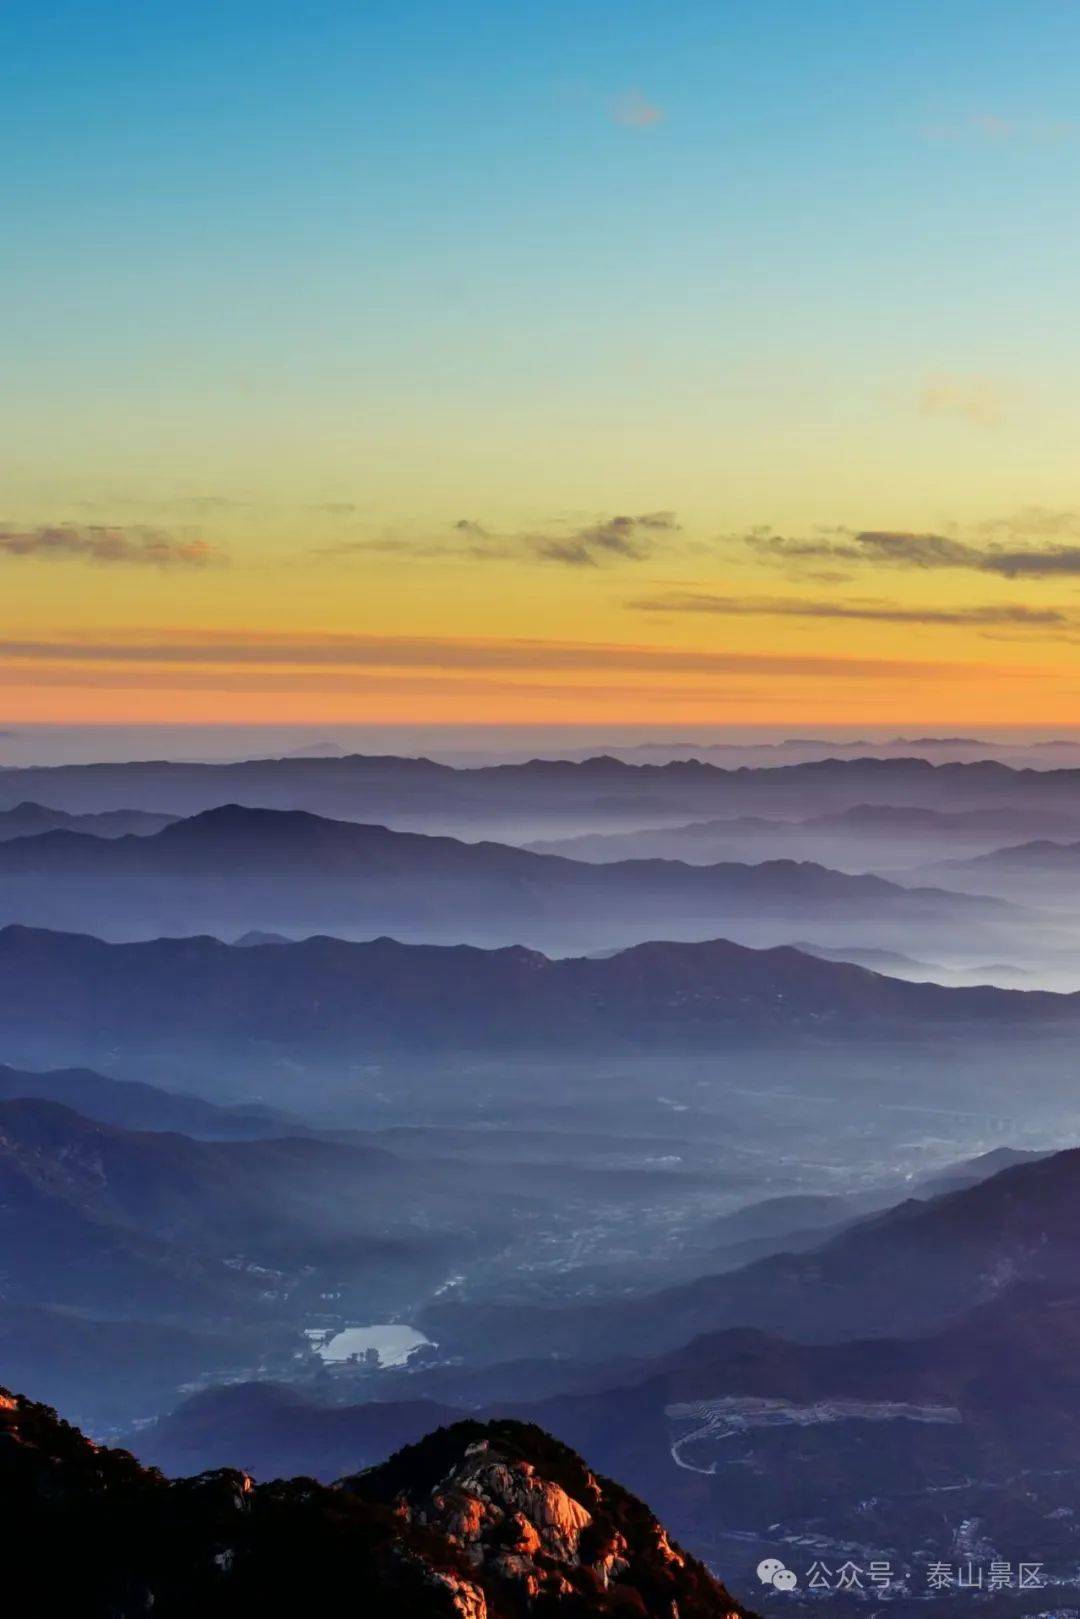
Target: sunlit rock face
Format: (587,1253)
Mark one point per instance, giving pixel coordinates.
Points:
(477,1521)
(537,1527)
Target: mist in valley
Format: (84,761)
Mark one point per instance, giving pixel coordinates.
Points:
(731,1114)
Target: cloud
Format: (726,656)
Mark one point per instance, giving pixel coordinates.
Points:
(97,543)
(610,539)
(245,649)
(917,550)
(873,611)
(978,399)
(899,548)
(630,538)
(635,111)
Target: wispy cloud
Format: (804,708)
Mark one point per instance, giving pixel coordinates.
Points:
(96,543)
(632,539)
(609,539)
(690,601)
(1007,556)
(635,111)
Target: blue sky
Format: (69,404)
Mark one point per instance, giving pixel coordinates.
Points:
(225,161)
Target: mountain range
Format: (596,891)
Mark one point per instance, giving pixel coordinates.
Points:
(28,820)
(233,869)
(883,837)
(1041,871)
(539,797)
(272,1013)
(589,1137)
(130,1104)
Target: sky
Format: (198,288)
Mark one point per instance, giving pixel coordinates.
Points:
(474,363)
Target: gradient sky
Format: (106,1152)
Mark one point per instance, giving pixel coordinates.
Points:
(686,362)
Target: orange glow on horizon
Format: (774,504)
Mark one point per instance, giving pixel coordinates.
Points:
(977,696)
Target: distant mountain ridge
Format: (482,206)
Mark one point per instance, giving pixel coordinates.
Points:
(131,1105)
(27,820)
(867,837)
(323,997)
(237,869)
(1042,870)
(883,818)
(1040,854)
(393,788)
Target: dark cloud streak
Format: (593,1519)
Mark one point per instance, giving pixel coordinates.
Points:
(873,611)
(94,543)
(611,539)
(898,548)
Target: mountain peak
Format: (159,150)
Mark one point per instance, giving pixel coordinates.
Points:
(527,1511)
(246,817)
(478,1521)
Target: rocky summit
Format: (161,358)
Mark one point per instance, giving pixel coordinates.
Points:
(477,1521)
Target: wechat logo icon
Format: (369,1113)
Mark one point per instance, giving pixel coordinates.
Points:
(771,1571)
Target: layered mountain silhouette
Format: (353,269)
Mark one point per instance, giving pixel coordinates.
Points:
(203,1007)
(477,1521)
(866,836)
(896,965)
(540,797)
(132,1105)
(1042,870)
(28,820)
(1040,855)
(814,1370)
(233,869)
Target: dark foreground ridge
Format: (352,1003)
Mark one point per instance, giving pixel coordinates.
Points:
(477,1521)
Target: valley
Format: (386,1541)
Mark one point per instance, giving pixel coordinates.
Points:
(773,1235)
